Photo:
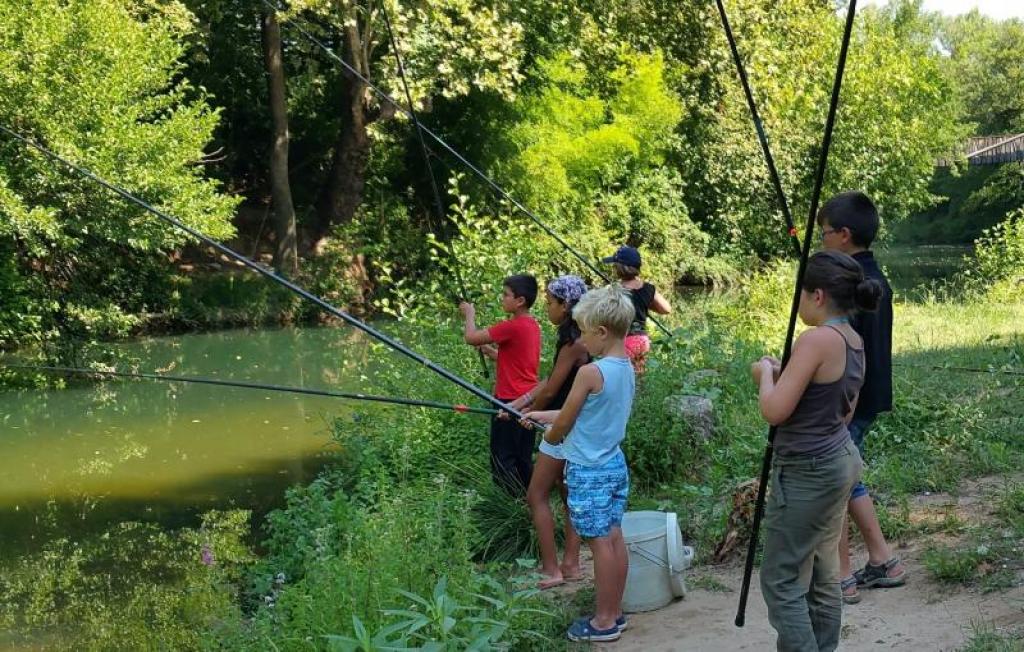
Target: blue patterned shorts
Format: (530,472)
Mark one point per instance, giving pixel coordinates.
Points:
(597,496)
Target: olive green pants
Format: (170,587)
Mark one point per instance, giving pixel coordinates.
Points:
(800,571)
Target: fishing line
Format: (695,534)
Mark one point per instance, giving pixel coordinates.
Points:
(490,182)
(270,274)
(438,204)
(355,396)
(819,181)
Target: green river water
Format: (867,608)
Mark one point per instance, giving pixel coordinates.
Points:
(80,458)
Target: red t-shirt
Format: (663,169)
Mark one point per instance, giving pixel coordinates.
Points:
(518,341)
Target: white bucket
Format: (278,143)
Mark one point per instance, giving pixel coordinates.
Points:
(657,559)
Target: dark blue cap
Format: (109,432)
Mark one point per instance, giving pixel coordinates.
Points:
(625,255)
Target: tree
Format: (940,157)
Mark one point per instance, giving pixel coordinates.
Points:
(452,47)
(590,155)
(898,114)
(99,81)
(285,251)
(986,59)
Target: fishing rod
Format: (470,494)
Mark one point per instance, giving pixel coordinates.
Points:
(268,273)
(438,204)
(78,371)
(759,127)
(480,174)
(819,181)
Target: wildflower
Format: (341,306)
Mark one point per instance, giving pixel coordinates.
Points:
(207,555)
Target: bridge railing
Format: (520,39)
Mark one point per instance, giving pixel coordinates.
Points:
(990,150)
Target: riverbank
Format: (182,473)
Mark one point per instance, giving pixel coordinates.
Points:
(978,611)
(412,485)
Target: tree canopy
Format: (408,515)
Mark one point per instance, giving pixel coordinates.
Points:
(614,121)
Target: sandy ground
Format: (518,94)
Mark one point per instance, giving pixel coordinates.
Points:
(921,615)
(918,616)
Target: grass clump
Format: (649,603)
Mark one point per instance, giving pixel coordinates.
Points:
(986,638)
(957,565)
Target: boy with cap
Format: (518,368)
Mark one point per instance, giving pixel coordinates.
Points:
(645,297)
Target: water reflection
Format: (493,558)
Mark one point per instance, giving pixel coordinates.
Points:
(914,268)
(98,453)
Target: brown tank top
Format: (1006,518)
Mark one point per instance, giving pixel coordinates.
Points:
(818,424)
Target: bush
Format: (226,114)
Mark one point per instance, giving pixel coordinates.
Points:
(135,586)
(999,259)
(358,570)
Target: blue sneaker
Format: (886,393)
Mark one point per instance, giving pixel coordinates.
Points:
(620,622)
(582,630)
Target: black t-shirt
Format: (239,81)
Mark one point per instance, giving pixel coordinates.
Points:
(876,329)
(642,298)
(558,400)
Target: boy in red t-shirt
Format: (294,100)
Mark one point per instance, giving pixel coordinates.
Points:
(518,356)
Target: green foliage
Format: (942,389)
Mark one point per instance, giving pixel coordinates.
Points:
(989,74)
(135,586)
(1002,192)
(897,115)
(955,565)
(229,299)
(449,47)
(119,107)
(947,222)
(440,623)
(986,638)
(364,573)
(1010,508)
(587,152)
(999,253)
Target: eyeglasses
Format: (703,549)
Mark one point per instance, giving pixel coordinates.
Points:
(825,232)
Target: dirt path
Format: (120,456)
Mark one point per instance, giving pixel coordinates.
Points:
(918,616)
(922,615)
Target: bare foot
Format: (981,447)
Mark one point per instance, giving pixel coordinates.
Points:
(551,581)
(571,573)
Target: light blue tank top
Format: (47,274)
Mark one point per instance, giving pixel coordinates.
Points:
(601,424)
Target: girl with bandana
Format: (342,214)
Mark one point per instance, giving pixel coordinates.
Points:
(561,296)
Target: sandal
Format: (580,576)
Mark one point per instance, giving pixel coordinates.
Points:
(582,630)
(878,577)
(850,593)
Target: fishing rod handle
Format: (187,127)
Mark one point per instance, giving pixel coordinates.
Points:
(755,528)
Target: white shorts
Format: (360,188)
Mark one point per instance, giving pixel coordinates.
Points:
(551,450)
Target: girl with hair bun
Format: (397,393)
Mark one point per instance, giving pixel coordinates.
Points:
(816,464)
(561,295)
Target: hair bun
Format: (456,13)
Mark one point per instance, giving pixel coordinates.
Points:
(867,294)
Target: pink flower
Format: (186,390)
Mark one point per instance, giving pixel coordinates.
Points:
(207,555)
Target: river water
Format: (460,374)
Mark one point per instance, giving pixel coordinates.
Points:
(79,459)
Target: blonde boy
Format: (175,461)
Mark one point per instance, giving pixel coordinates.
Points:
(593,424)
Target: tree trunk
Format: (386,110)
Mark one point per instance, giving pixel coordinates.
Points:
(286,259)
(343,191)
